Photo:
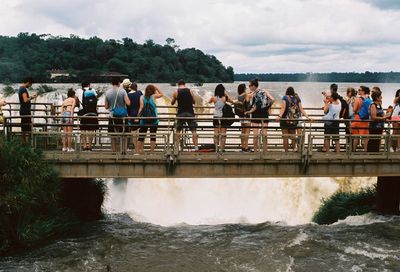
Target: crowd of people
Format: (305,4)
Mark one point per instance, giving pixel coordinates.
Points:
(131,110)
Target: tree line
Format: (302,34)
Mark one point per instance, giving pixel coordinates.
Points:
(367,77)
(35,55)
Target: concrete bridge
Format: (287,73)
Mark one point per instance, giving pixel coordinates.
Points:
(180,160)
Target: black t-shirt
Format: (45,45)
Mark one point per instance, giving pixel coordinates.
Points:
(25,107)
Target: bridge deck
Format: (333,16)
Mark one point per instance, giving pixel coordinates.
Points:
(170,160)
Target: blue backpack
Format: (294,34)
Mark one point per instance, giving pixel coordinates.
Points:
(149,111)
(364,111)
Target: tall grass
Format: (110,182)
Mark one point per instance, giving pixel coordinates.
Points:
(343,204)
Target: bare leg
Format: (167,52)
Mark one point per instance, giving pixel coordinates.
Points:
(152,146)
(326,145)
(256,134)
(65,137)
(285,139)
(216,136)
(264,132)
(140,147)
(69,135)
(195,138)
(90,141)
(337,146)
(223,138)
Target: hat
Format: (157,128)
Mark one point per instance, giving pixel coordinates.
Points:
(126,82)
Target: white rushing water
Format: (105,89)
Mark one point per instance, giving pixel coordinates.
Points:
(169,202)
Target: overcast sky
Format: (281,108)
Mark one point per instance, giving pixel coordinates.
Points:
(252,36)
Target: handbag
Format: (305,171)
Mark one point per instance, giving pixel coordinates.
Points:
(118,112)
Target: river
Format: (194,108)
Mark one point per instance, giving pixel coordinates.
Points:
(222,224)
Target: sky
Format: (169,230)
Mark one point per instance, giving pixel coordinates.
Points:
(264,36)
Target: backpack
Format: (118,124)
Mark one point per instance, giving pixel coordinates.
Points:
(227,112)
(89,103)
(344,112)
(262,101)
(364,111)
(293,113)
(148,111)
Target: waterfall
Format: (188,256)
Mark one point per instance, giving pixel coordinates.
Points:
(170,201)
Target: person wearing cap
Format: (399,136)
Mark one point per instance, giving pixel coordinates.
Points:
(126,84)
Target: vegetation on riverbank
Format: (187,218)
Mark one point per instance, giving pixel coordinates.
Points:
(90,59)
(343,204)
(33,203)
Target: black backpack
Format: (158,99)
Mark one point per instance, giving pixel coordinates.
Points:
(89,104)
(227,112)
(344,112)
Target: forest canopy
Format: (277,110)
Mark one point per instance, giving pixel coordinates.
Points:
(37,55)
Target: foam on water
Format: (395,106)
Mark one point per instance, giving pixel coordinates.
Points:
(170,202)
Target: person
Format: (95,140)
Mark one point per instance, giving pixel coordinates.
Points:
(134,96)
(351,94)
(396,122)
(2,103)
(290,110)
(262,101)
(185,98)
(360,109)
(244,105)
(87,104)
(332,110)
(377,117)
(219,99)
(148,109)
(344,113)
(25,108)
(115,102)
(126,84)
(67,111)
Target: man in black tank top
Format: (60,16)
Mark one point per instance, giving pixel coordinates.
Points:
(185,98)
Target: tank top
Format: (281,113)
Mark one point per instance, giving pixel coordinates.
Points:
(219,105)
(246,104)
(185,101)
(378,124)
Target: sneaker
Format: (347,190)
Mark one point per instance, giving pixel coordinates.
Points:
(71,150)
(65,149)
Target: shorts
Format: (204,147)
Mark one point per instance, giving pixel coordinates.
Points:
(181,123)
(260,114)
(115,125)
(132,125)
(332,129)
(219,123)
(359,128)
(143,130)
(26,124)
(66,118)
(285,125)
(89,123)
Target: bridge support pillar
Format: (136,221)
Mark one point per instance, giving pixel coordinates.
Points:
(388,195)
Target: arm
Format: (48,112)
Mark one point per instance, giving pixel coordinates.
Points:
(127,101)
(211,100)
(141,106)
(269,96)
(303,111)
(174,97)
(326,107)
(374,117)
(3,103)
(356,105)
(282,110)
(158,94)
(106,105)
(26,98)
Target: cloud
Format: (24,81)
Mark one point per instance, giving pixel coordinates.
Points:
(385,4)
(261,36)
